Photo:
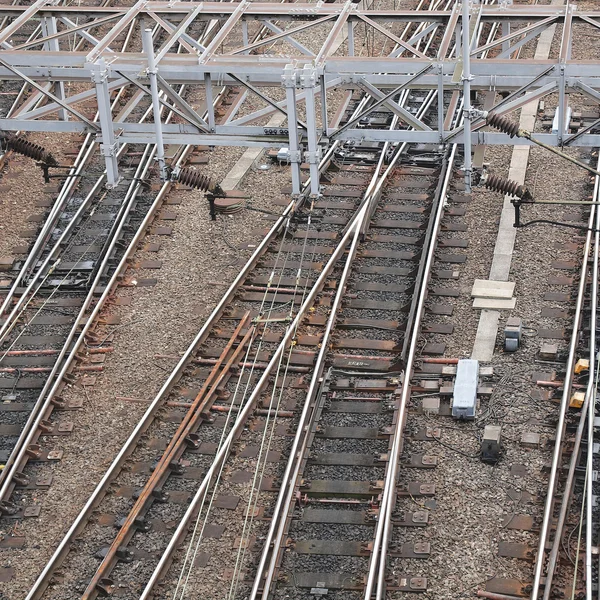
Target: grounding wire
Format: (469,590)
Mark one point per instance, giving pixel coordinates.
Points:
(246,390)
(264,455)
(183,584)
(586,482)
(215,486)
(187,578)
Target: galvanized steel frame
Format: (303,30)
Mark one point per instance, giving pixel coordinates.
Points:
(304,74)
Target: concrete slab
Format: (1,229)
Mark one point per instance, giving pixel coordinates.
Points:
(486,288)
(485,340)
(245,162)
(495,303)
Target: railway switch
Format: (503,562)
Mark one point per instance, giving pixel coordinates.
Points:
(490,444)
(464,398)
(512,334)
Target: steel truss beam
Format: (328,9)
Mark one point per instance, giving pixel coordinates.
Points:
(304,70)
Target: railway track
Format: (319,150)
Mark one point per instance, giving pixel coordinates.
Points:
(323,226)
(277,291)
(278,439)
(56,294)
(569,510)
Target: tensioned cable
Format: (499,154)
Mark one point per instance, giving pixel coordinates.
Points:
(263,454)
(586,482)
(263,438)
(251,511)
(183,584)
(261,311)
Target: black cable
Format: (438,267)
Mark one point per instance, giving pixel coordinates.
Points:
(262,210)
(457,450)
(557,223)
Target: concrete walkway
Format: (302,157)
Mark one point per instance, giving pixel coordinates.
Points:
(485,339)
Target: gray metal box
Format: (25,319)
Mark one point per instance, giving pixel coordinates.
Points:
(464,399)
(284,155)
(490,445)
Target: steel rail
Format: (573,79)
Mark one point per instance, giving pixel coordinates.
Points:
(384,526)
(218,375)
(278,521)
(247,410)
(42,581)
(51,385)
(586,411)
(82,159)
(42,404)
(356,224)
(59,245)
(591,397)
(285,496)
(273,541)
(560,428)
(130,444)
(80,521)
(289,210)
(78,524)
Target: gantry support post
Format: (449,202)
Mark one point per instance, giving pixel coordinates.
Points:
(440,101)
(49,28)
(466,80)
(308,81)
(289,80)
(506,27)
(109,147)
(148,47)
(324,118)
(245,38)
(210,102)
(350,38)
(562,105)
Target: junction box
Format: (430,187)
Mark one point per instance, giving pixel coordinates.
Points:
(464,399)
(490,444)
(512,334)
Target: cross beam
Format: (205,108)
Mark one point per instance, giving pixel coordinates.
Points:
(304,71)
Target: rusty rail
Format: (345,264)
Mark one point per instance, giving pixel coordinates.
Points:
(194,416)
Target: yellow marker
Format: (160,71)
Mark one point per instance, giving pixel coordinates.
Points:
(577,400)
(583,364)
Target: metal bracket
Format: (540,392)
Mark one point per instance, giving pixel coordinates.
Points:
(313,157)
